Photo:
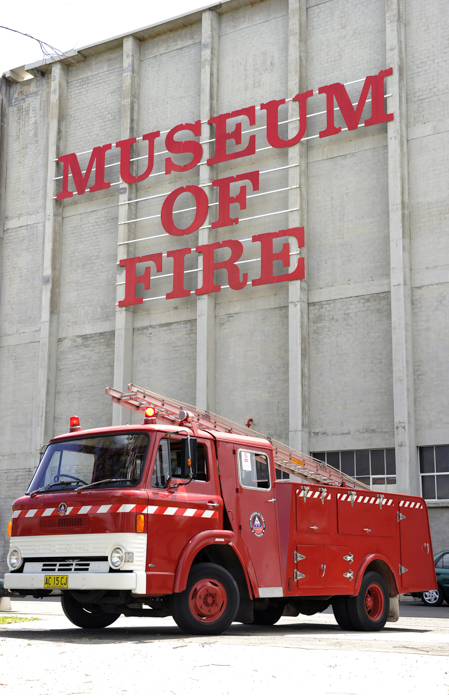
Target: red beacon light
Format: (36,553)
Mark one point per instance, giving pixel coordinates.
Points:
(149,415)
(74,424)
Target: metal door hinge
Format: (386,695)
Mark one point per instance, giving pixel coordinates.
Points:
(323,492)
(352,496)
(349,557)
(304,492)
(297,575)
(297,556)
(400,517)
(349,575)
(402,569)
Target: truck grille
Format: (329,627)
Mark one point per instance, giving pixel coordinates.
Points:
(66,567)
(63,523)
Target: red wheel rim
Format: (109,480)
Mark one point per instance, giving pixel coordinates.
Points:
(374,602)
(207,600)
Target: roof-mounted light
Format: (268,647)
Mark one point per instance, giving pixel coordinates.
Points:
(149,415)
(74,424)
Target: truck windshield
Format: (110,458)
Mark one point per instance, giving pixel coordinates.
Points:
(114,460)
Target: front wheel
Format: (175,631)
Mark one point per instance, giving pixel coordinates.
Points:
(368,611)
(433,598)
(87,616)
(209,603)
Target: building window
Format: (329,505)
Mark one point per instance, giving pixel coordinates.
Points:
(375,468)
(434,470)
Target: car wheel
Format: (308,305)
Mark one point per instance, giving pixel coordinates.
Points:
(433,598)
(341,613)
(87,616)
(368,611)
(209,603)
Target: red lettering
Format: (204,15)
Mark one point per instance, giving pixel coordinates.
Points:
(192,147)
(222,136)
(71,163)
(125,158)
(132,278)
(272,110)
(178,256)
(268,257)
(352,116)
(201,203)
(210,265)
(225,200)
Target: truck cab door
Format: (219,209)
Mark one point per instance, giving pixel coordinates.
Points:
(256,512)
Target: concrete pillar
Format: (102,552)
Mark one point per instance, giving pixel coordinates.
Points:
(124,318)
(205,357)
(48,344)
(4,87)
(401,306)
(298,294)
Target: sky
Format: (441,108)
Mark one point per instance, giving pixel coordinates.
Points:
(71,25)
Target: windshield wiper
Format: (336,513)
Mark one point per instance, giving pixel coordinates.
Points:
(56,483)
(105,481)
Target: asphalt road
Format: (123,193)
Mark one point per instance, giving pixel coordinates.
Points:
(312,655)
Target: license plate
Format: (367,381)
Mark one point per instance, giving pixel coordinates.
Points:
(56,581)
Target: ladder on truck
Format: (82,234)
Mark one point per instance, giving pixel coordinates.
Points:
(286,459)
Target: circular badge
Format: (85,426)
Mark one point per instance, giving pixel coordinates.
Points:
(257,524)
(62,509)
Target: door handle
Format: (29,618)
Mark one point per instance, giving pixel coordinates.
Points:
(323,567)
(272,500)
(213,505)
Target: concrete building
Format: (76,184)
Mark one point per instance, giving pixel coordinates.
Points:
(348,363)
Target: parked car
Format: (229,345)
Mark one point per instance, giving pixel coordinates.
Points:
(442,571)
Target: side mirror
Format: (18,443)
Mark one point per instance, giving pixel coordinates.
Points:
(188,457)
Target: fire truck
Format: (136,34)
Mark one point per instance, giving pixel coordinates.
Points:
(192,516)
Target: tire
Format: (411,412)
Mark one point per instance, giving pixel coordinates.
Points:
(209,603)
(341,613)
(87,616)
(269,616)
(368,611)
(433,598)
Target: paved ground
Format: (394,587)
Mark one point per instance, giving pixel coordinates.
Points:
(296,656)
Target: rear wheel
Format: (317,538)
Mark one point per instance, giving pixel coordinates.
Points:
(269,616)
(87,616)
(368,611)
(433,598)
(341,613)
(209,603)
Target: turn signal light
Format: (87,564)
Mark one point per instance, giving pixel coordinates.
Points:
(140,523)
(9,528)
(149,415)
(74,423)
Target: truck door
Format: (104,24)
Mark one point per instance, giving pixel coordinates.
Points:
(256,504)
(416,566)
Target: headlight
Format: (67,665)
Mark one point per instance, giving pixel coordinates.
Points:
(117,557)
(14,559)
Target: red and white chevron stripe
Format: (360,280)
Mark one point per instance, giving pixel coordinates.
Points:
(115,508)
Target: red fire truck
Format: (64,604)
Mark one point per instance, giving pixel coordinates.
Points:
(193,516)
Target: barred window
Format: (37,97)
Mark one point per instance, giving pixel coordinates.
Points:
(375,468)
(434,470)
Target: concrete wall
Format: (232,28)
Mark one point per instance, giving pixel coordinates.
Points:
(364,366)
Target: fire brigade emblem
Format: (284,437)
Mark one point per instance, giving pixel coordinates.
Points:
(257,524)
(62,509)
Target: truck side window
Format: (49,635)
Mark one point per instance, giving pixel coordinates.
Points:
(253,470)
(168,462)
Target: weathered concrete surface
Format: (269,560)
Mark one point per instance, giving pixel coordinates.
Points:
(51,657)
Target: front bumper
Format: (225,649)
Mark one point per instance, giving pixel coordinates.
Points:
(120,581)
